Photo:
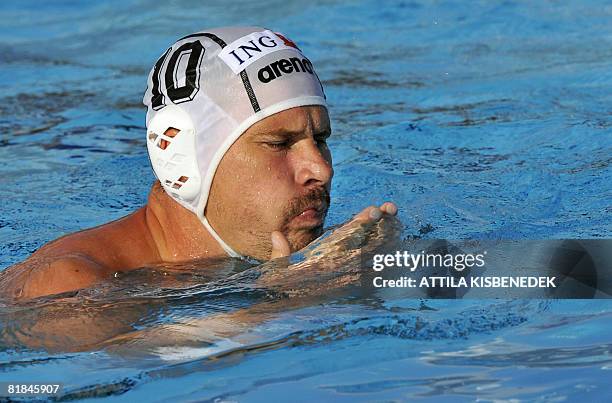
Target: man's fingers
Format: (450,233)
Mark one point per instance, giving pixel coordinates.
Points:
(389,208)
(373,213)
(366,214)
(280,245)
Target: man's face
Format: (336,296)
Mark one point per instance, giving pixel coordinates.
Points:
(276,176)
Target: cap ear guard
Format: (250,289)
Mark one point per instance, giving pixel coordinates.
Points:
(175,162)
(173,157)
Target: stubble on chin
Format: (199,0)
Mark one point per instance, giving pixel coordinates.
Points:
(260,244)
(299,239)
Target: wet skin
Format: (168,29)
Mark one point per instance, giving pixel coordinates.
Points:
(269,198)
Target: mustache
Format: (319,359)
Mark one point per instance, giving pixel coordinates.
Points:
(317,198)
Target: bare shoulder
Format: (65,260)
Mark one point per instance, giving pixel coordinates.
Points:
(79,260)
(46,275)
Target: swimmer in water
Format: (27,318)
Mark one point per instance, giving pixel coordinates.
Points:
(237,129)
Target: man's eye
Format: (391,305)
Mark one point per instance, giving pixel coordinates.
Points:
(278,145)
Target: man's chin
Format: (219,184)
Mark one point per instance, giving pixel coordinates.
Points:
(300,238)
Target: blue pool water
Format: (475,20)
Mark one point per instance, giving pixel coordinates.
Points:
(479,119)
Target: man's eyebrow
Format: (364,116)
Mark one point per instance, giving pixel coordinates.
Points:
(291,133)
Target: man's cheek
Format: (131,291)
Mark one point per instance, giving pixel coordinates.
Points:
(263,210)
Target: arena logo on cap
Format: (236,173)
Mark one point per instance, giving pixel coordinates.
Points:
(244,51)
(282,67)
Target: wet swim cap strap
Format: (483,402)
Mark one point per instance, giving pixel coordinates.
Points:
(228,249)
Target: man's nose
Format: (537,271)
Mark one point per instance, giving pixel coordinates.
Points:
(313,165)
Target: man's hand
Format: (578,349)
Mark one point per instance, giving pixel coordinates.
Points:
(280,245)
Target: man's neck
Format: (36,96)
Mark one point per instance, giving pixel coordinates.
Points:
(177,232)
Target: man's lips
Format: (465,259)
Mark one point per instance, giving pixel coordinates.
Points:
(312,216)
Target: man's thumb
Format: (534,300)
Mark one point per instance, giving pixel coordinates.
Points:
(280,245)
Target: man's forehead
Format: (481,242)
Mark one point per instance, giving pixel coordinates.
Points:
(294,120)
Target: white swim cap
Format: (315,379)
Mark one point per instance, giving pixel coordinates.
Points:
(212,86)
